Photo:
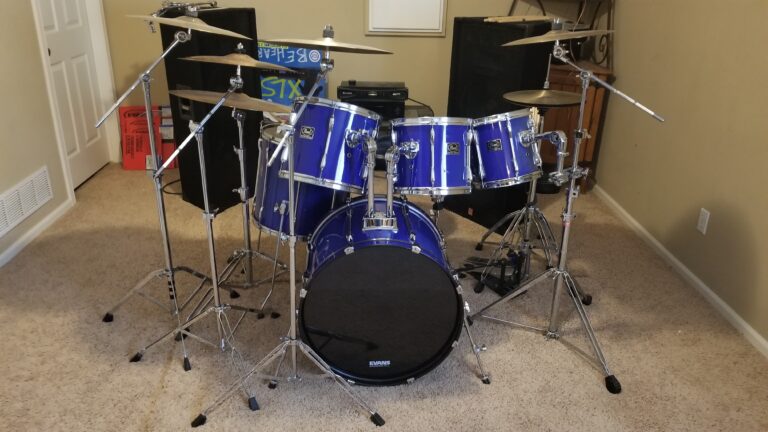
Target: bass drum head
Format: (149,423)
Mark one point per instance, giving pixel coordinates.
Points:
(381,315)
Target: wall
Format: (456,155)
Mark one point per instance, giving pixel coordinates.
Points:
(28,139)
(699,64)
(422,62)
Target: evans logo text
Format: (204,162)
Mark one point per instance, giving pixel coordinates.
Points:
(379,363)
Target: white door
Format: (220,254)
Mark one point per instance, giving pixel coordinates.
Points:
(74,83)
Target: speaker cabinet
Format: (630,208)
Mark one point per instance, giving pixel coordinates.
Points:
(220,136)
(481,72)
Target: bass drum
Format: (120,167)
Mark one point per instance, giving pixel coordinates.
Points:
(381,307)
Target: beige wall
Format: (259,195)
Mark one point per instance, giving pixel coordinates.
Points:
(700,64)
(422,62)
(27,137)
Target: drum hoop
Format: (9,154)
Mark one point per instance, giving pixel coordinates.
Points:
(525,112)
(344,106)
(432,121)
(337,186)
(512,181)
(440,191)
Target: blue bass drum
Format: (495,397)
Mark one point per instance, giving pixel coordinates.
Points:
(435,155)
(329,144)
(503,157)
(270,200)
(381,307)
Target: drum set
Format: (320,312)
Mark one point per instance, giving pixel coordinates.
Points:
(379,303)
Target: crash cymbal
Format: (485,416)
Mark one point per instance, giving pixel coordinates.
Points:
(329,44)
(235,100)
(558,35)
(518,18)
(237,59)
(543,98)
(191,23)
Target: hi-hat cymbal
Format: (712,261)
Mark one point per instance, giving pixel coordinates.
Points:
(543,98)
(238,59)
(558,35)
(329,44)
(191,23)
(518,18)
(235,100)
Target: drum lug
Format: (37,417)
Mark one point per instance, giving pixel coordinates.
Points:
(349,249)
(460,290)
(410,380)
(527,137)
(410,149)
(415,249)
(455,344)
(303,293)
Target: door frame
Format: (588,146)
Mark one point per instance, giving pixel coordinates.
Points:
(105,82)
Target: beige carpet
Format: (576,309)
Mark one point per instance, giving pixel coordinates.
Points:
(681,365)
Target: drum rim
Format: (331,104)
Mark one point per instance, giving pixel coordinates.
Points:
(525,112)
(276,233)
(344,106)
(441,191)
(330,184)
(431,121)
(421,369)
(511,181)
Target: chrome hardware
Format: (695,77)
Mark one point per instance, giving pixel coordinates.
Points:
(410,149)
(302,293)
(415,249)
(410,380)
(327,140)
(455,344)
(349,249)
(352,138)
(379,221)
(468,151)
(526,137)
(479,159)
(512,145)
(432,155)
(392,156)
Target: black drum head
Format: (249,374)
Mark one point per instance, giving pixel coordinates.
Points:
(381,315)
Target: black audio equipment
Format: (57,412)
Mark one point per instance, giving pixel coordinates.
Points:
(220,134)
(385,98)
(481,72)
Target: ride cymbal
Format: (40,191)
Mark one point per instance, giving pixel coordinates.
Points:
(191,23)
(329,44)
(543,98)
(235,100)
(558,35)
(237,59)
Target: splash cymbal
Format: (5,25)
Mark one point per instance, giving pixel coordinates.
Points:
(558,35)
(235,100)
(191,23)
(238,59)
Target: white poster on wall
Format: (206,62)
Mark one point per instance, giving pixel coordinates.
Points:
(426,17)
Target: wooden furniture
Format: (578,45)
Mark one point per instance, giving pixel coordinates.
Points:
(563,77)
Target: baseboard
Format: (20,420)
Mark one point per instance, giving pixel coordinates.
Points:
(755,338)
(7,255)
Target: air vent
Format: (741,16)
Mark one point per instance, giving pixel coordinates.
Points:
(20,201)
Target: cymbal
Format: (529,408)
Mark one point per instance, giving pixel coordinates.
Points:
(518,18)
(558,35)
(237,59)
(235,100)
(191,23)
(329,44)
(543,98)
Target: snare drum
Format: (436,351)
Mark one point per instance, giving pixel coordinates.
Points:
(329,144)
(434,155)
(270,201)
(380,306)
(505,152)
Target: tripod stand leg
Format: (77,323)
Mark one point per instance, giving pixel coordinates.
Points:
(109,315)
(549,244)
(611,382)
(518,216)
(345,386)
(484,376)
(586,299)
(493,229)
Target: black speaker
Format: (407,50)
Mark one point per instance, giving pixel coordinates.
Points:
(220,136)
(481,72)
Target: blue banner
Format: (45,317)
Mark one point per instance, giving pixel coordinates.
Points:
(284,90)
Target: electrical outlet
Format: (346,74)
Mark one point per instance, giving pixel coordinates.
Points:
(703,220)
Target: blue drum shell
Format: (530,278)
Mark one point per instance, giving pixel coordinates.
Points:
(323,135)
(450,155)
(504,158)
(313,203)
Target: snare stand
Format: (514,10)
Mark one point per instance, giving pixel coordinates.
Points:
(169,270)
(292,341)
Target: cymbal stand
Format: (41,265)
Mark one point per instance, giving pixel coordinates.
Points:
(246,254)
(169,271)
(292,341)
(224,329)
(560,273)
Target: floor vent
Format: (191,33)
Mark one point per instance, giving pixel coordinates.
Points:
(20,201)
